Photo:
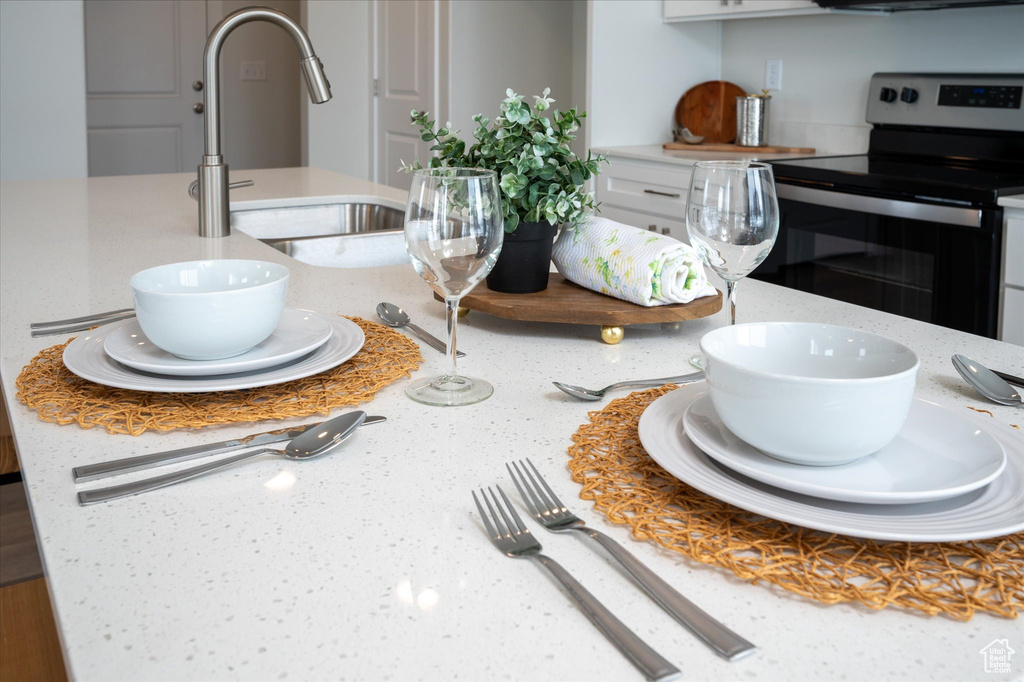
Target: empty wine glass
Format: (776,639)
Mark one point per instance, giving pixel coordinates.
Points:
(453,232)
(732,217)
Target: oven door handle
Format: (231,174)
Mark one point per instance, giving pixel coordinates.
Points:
(947,215)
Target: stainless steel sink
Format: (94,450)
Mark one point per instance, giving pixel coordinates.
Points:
(331,234)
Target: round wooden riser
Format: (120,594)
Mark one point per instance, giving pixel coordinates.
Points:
(568,303)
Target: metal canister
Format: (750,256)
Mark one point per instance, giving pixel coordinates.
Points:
(752,120)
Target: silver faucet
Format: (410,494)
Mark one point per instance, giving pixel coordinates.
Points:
(211,188)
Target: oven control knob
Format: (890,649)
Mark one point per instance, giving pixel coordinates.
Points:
(887,95)
(908,95)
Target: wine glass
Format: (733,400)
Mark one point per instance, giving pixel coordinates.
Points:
(453,232)
(732,217)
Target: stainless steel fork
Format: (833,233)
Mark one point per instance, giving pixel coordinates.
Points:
(515,540)
(553,515)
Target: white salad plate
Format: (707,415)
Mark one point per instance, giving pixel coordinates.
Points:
(299,332)
(937,454)
(990,511)
(85,357)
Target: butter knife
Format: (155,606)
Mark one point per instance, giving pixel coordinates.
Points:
(91,472)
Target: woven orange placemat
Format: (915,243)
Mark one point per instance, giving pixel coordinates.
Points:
(59,396)
(955,579)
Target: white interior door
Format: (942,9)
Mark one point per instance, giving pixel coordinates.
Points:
(142,59)
(410,72)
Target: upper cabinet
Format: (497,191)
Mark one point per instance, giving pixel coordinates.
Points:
(703,10)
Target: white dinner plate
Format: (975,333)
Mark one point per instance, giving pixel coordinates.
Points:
(937,454)
(299,332)
(85,357)
(993,510)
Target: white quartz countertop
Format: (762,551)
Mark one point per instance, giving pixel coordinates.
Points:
(1014,201)
(687,157)
(372,563)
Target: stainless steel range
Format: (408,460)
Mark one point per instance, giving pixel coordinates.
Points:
(912,227)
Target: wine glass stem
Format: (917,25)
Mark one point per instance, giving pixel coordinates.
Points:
(730,289)
(452,310)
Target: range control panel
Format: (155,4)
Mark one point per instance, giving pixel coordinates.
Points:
(994,96)
(948,100)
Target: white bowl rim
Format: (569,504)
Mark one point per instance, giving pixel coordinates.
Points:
(282,272)
(814,380)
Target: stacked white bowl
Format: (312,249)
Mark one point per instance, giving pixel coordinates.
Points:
(807,393)
(210,309)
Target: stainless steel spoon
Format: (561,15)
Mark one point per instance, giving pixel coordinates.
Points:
(591,394)
(986,382)
(309,444)
(394,316)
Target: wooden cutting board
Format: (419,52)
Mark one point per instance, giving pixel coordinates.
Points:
(766,149)
(709,109)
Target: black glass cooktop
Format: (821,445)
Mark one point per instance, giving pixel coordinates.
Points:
(946,181)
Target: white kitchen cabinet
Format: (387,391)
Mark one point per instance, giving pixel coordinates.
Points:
(645,193)
(708,10)
(1011,287)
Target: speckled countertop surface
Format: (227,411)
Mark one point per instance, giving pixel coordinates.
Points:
(371,563)
(1014,201)
(687,157)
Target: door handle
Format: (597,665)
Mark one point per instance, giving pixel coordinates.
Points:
(197,107)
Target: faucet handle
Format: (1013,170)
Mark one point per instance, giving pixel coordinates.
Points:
(193,188)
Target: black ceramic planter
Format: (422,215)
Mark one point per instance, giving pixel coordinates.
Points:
(525,260)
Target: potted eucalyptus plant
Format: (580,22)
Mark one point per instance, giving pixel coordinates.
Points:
(542,180)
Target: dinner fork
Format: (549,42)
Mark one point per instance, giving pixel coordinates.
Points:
(553,515)
(514,539)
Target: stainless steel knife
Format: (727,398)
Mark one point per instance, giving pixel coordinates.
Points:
(91,472)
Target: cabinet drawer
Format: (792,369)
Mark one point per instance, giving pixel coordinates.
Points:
(676,228)
(645,188)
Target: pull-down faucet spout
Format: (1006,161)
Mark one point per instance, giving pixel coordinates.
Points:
(213,172)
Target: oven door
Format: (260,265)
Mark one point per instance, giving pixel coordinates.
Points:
(938,264)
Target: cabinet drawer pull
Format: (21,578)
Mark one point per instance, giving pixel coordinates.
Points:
(674,195)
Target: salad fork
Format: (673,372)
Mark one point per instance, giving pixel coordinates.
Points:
(514,539)
(553,515)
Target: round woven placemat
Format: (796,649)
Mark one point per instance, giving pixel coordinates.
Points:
(59,396)
(955,579)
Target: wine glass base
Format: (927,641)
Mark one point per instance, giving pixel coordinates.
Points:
(449,391)
(697,361)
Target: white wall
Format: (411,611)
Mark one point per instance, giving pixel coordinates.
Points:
(640,67)
(339,130)
(828,61)
(42,90)
(501,44)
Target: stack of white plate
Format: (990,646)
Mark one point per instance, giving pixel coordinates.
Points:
(948,476)
(304,343)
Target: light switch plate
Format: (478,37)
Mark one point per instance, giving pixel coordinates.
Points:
(254,71)
(773,74)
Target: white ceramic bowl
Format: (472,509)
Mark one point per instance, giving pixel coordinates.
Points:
(210,309)
(809,393)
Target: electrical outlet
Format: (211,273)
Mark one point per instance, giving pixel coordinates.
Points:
(254,71)
(773,74)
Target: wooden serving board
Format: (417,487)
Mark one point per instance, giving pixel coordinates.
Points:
(709,110)
(735,148)
(570,303)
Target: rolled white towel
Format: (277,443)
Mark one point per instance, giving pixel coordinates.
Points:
(632,264)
